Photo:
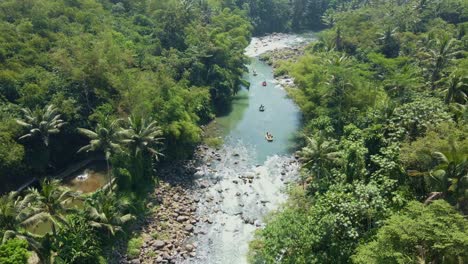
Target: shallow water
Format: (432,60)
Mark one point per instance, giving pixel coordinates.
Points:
(247,178)
(95,177)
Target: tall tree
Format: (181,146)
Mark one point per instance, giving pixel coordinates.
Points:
(15,218)
(457,85)
(143,138)
(390,45)
(318,155)
(107,212)
(437,56)
(105,138)
(41,122)
(50,203)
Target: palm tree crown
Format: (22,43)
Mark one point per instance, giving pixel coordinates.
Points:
(41,122)
(15,217)
(51,203)
(318,155)
(456,87)
(143,136)
(105,138)
(451,175)
(107,212)
(438,56)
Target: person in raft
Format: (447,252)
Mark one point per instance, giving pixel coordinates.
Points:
(262,108)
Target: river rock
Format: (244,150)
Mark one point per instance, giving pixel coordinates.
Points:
(182,218)
(159,244)
(188,228)
(203,185)
(189,247)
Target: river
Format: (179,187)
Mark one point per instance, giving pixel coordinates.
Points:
(247,177)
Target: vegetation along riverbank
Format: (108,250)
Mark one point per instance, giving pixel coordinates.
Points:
(385,172)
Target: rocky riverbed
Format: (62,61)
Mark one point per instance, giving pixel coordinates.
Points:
(191,202)
(170,221)
(275,58)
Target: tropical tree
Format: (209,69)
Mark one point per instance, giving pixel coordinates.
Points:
(451,175)
(50,203)
(318,155)
(143,136)
(456,87)
(390,45)
(15,218)
(437,57)
(105,138)
(106,212)
(77,242)
(338,89)
(419,233)
(41,122)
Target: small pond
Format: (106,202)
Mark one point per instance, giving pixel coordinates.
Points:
(88,179)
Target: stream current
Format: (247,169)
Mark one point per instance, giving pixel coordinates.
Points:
(247,177)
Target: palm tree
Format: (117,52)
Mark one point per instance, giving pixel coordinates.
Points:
(451,175)
(105,212)
(338,89)
(143,136)
(338,40)
(438,57)
(51,203)
(456,87)
(15,218)
(318,155)
(390,45)
(338,60)
(329,18)
(105,138)
(41,123)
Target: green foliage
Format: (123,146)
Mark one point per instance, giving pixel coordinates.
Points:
(413,119)
(133,247)
(324,230)
(14,251)
(77,242)
(173,63)
(107,212)
(214,142)
(417,155)
(433,233)
(11,155)
(383,93)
